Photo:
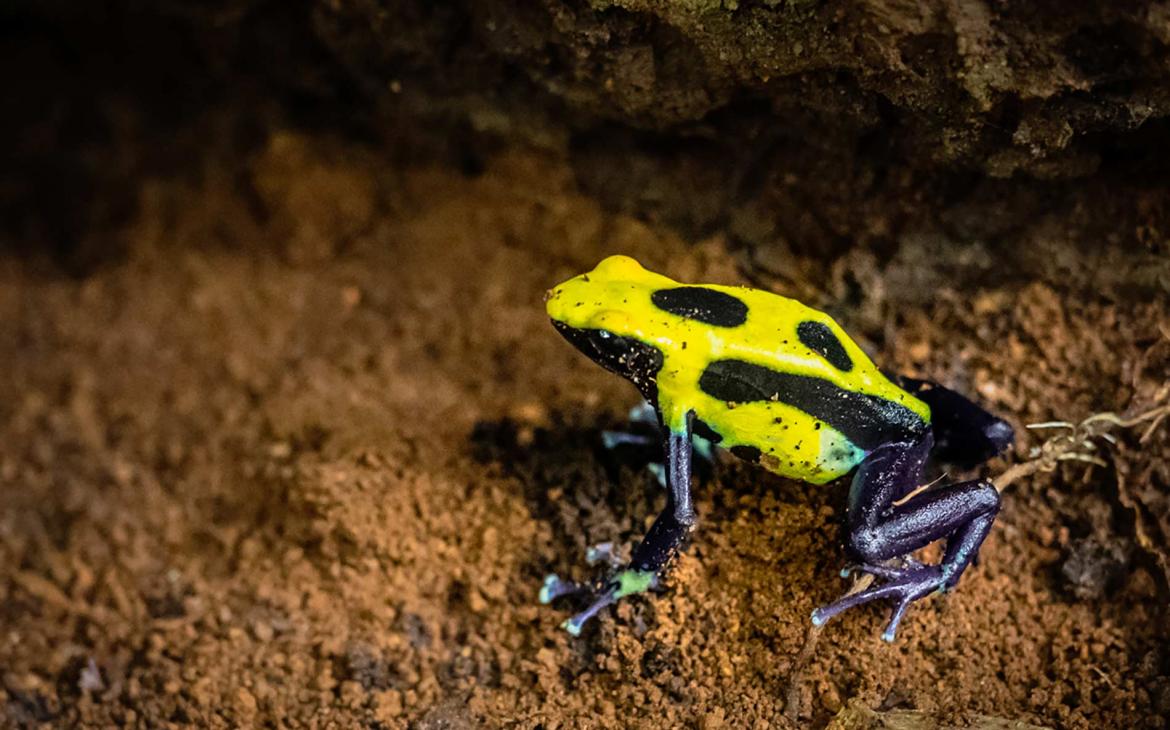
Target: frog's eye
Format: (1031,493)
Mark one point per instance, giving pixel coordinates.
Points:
(817,337)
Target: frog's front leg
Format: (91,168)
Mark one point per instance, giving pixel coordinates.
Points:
(661,543)
(648,436)
(880,529)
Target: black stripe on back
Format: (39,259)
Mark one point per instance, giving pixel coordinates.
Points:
(866,420)
(702,304)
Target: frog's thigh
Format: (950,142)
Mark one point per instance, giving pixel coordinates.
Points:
(878,531)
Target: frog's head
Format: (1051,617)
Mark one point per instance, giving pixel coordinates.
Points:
(601,314)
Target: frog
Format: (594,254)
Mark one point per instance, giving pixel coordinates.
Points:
(780,384)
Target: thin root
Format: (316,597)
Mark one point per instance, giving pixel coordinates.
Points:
(1079,442)
(792,696)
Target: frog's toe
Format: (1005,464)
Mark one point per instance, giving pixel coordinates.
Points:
(555,587)
(904,586)
(576,623)
(890,570)
(891,629)
(602,552)
(613,439)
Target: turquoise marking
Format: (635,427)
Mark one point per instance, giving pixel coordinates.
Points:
(703,447)
(572,627)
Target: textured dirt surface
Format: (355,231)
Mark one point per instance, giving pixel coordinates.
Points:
(301,457)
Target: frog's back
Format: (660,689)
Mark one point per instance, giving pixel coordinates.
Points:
(782,384)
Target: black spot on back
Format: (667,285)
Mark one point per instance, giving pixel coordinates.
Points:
(702,304)
(817,337)
(747,453)
(866,420)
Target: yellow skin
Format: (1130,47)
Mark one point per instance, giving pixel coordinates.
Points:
(616,297)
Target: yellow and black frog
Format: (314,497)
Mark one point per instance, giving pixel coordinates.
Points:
(780,384)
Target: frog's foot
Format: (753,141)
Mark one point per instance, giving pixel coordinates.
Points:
(654,553)
(889,570)
(625,583)
(904,586)
(555,587)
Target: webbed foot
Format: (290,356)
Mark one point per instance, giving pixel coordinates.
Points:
(625,583)
(904,585)
(621,584)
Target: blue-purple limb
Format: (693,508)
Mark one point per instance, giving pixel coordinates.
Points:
(882,570)
(649,437)
(661,543)
(879,531)
(555,587)
(614,439)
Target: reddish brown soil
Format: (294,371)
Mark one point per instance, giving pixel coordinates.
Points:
(304,455)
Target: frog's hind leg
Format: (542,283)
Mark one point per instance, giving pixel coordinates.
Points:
(661,543)
(880,528)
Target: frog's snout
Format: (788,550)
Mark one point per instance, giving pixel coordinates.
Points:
(554,303)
